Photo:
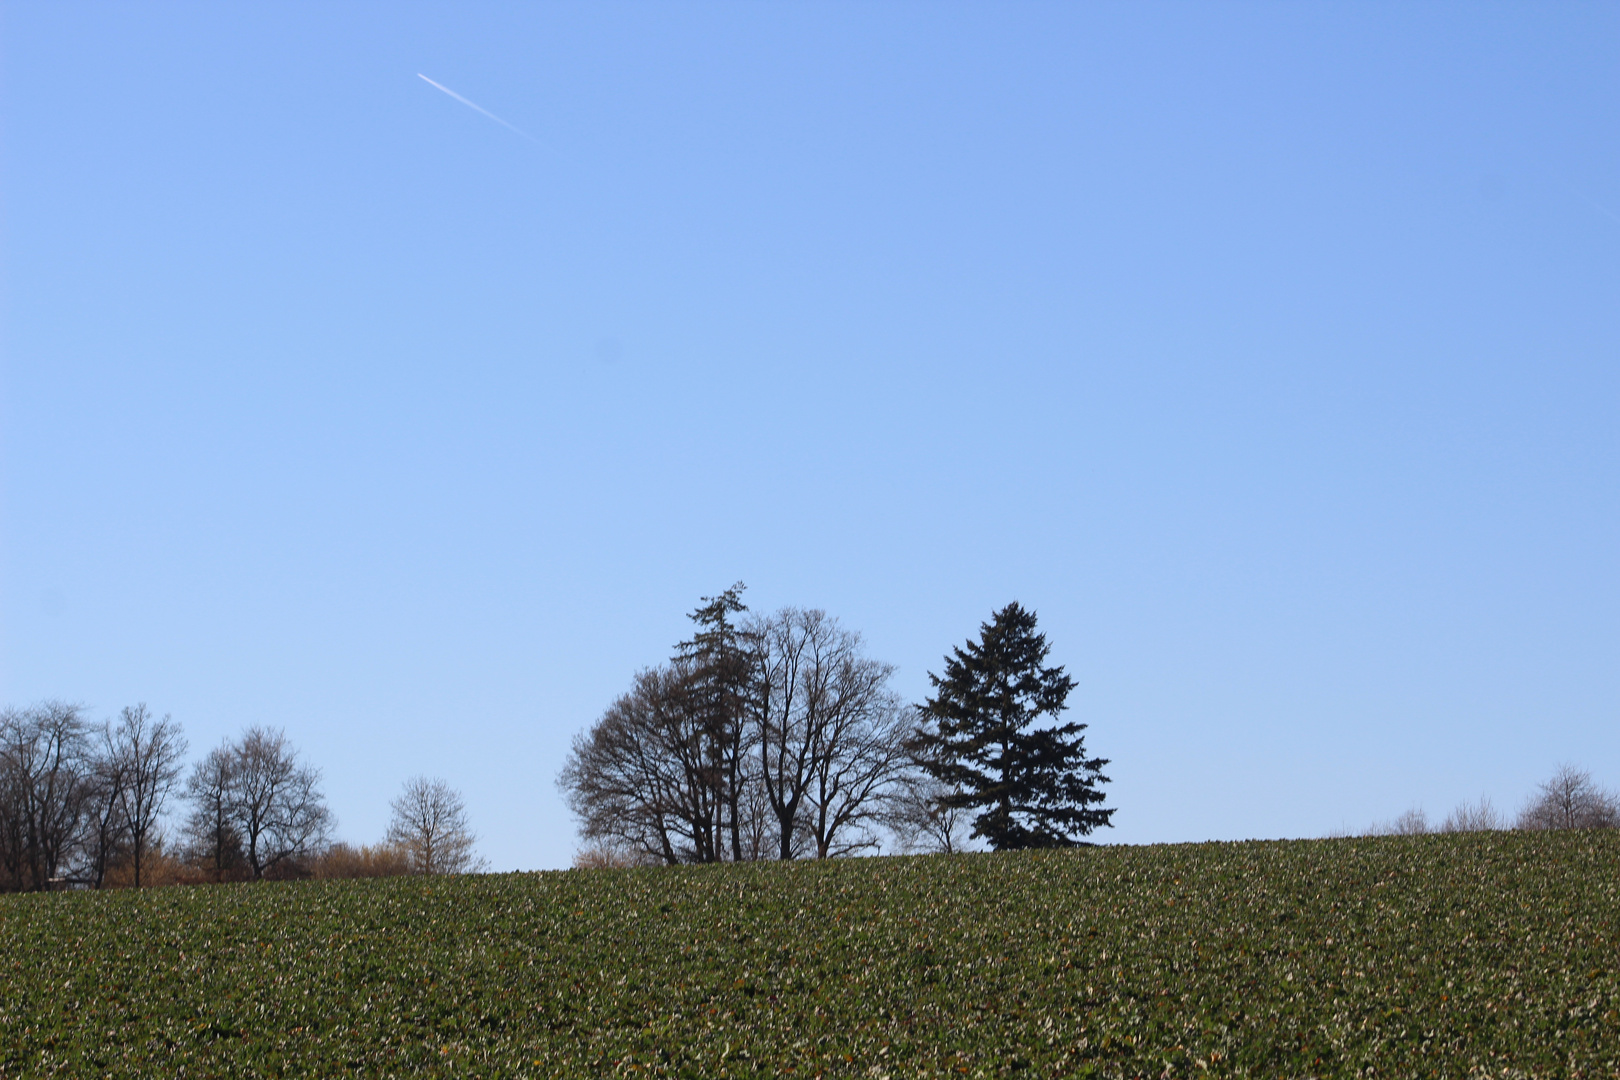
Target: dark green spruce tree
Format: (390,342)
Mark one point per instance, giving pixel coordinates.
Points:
(990,735)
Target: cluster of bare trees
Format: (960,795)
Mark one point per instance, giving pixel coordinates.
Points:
(85,805)
(78,800)
(764,737)
(256,809)
(1571,799)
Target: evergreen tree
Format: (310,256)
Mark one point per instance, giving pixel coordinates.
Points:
(1034,786)
(716,672)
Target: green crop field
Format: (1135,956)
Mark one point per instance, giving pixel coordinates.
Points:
(1474,955)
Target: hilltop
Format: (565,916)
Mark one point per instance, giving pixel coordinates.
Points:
(1477,954)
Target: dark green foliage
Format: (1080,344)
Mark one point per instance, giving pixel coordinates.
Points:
(1481,954)
(984,738)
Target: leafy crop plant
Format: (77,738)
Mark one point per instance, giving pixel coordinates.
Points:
(1479,954)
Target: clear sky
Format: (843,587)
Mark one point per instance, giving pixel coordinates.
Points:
(1268,352)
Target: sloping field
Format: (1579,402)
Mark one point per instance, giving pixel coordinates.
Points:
(1487,954)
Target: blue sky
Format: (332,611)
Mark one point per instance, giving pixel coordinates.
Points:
(1268,352)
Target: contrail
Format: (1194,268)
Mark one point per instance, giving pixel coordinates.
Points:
(480,108)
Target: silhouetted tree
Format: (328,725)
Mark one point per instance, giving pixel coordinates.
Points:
(214,844)
(830,731)
(1032,785)
(643,778)
(715,669)
(916,809)
(1412,822)
(104,832)
(45,787)
(145,759)
(271,801)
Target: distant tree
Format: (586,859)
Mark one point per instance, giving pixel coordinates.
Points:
(45,788)
(256,793)
(430,826)
(714,667)
(1413,822)
(994,740)
(922,821)
(145,757)
(276,802)
(1473,817)
(830,732)
(643,777)
(603,857)
(916,809)
(104,831)
(1571,800)
(214,844)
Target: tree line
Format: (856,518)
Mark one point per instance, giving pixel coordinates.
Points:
(86,805)
(777,737)
(1569,799)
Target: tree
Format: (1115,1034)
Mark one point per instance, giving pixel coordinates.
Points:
(214,843)
(257,793)
(45,774)
(642,777)
(430,825)
(1033,785)
(715,669)
(276,802)
(1412,822)
(916,809)
(1571,800)
(776,737)
(103,842)
(665,772)
(830,731)
(145,759)
(1473,817)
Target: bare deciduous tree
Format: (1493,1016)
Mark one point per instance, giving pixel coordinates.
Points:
(213,841)
(860,727)
(830,732)
(45,775)
(1413,822)
(642,777)
(602,857)
(430,826)
(917,809)
(145,758)
(104,831)
(276,802)
(269,799)
(1473,817)
(1571,800)
(922,821)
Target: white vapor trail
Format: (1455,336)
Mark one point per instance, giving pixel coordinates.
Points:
(480,108)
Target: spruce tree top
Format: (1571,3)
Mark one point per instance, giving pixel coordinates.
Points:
(1034,784)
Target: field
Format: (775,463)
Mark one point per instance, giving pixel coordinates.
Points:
(1485,954)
